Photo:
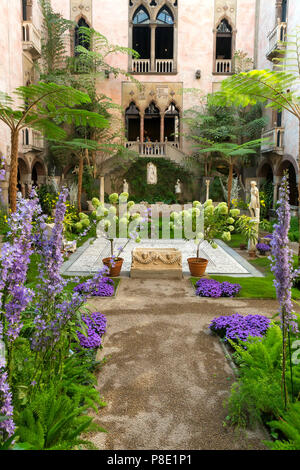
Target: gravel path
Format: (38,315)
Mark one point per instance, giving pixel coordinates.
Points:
(166,378)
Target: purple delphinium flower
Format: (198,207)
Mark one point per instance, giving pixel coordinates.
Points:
(14,262)
(282,258)
(213,288)
(95,328)
(238,327)
(7,427)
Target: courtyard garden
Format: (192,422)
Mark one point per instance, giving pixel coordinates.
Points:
(157,307)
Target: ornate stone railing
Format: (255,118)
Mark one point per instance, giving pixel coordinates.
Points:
(276,37)
(31,38)
(141,65)
(275,141)
(147,148)
(223,66)
(164,65)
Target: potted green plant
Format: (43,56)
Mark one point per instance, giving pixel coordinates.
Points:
(216,222)
(118,220)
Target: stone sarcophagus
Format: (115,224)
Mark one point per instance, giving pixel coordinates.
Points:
(156,263)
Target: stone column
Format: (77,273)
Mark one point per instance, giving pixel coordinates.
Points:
(142,127)
(207,182)
(278,10)
(276,183)
(152,51)
(102,189)
(162,127)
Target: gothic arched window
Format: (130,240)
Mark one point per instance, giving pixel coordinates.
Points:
(224,41)
(165,16)
(141,38)
(164,35)
(80,38)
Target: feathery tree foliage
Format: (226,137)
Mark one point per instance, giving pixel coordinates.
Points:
(231,153)
(44,107)
(277,89)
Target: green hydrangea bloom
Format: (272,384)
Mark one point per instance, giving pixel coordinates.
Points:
(113,198)
(234,212)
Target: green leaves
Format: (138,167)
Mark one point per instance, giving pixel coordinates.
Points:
(275,89)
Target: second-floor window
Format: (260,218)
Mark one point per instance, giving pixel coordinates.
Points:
(153,37)
(224,48)
(79,37)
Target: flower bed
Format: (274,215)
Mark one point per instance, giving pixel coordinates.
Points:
(213,288)
(263,248)
(97,286)
(95,328)
(237,327)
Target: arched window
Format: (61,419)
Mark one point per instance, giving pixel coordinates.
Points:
(152,123)
(141,39)
(165,16)
(224,47)
(164,35)
(80,38)
(172,123)
(132,122)
(24,10)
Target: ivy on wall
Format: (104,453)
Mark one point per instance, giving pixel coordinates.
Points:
(167,175)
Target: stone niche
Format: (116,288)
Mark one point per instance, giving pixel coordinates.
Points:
(156,263)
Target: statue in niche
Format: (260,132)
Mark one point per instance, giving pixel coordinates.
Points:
(125,187)
(151,173)
(178,187)
(254,206)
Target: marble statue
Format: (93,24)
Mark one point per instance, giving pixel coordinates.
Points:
(178,187)
(151,173)
(207,182)
(125,187)
(254,206)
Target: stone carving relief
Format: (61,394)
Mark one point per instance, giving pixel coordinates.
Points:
(81,7)
(225,8)
(161,93)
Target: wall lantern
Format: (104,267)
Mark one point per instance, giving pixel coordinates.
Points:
(198,74)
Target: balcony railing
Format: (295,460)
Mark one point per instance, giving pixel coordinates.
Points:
(147,148)
(32,140)
(277,38)
(164,65)
(160,66)
(275,141)
(223,66)
(31,39)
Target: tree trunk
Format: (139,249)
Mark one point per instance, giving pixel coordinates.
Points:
(80,174)
(299,193)
(229,185)
(13,177)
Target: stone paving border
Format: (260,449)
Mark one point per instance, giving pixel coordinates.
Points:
(251,270)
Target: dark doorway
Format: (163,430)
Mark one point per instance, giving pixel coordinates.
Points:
(152,123)
(132,122)
(224,41)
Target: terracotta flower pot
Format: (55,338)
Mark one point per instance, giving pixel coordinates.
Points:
(243,246)
(115,270)
(197,266)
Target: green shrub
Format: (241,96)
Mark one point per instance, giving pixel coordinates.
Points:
(289,426)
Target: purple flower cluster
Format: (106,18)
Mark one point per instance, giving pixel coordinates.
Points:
(14,261)
(97,286)
(213,288)
(263,247)
(95,328)
(7,427)
(282,258)
(236,327)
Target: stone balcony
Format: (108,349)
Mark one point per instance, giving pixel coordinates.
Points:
(275,141)
(277,38)
(223,66)
(161,66)
(31,39)
(32,141)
